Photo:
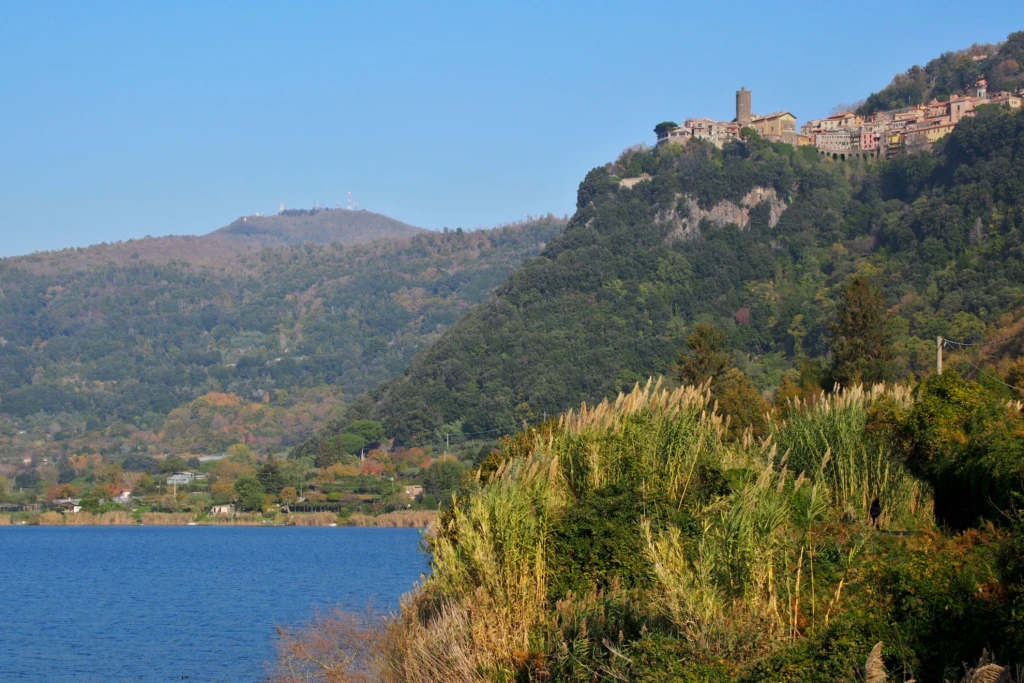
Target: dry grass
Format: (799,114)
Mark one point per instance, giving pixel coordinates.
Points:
(419,519)
(5,520)
(312,518)
(239,519)
(51,518)
(111,518)
(166,518)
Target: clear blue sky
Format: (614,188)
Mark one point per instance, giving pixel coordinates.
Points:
(126,119)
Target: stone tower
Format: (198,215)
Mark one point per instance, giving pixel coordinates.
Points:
(743,107)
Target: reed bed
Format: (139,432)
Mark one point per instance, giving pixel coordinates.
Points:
(825,440)
(111,518)
(740,579)
(312,518)
(5,520)
(238,519)
(51,518)
(419,519)
(166,518)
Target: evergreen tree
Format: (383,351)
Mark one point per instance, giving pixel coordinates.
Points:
(271,478)
(861,339)
(704,357)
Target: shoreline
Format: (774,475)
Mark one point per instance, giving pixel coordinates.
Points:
(418,519)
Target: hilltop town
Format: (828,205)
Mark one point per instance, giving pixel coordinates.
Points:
(845,135)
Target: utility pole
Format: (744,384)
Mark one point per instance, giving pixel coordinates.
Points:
(447,442)
(938,354)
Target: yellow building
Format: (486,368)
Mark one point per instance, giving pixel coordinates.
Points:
(780,126)
(938,131)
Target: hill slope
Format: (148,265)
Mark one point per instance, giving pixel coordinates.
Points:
(954,72)
(96,356)
(756,239)
(227,248)
(316,227)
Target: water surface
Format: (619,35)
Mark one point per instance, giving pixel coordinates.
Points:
(158,603)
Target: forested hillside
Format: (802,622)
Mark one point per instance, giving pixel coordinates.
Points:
(954,72)
(95,353)
(757,240)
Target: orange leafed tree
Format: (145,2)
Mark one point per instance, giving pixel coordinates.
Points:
(62,491)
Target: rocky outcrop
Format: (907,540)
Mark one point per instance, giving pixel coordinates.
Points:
(686,216)
(630,183)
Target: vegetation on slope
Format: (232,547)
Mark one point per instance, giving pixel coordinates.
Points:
(954,73)
(93,358)
(636,270)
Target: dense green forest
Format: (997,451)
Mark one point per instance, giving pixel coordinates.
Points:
(96,352)
(612,300)
(954,72)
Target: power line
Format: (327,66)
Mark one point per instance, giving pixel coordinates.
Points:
(991,377)
(990,343)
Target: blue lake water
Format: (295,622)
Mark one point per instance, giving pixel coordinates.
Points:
(158,603)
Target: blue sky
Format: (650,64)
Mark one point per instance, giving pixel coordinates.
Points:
(126,119)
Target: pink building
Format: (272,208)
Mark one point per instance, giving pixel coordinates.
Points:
(869,139)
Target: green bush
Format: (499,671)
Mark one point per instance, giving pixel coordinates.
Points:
(596,540)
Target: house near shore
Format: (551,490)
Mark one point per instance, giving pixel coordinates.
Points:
(67,505)
(222,510)
(415,491)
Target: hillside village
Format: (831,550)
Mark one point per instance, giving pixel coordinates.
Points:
(845,135)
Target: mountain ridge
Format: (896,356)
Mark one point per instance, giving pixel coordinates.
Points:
(245,236)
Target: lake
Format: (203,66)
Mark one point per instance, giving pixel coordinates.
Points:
(158,603)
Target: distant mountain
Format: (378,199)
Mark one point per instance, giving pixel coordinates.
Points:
(336,226)
(98,346)
(227,247)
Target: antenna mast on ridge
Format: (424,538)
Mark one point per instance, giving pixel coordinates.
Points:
(350,200)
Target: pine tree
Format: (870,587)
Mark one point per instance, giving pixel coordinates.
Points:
(861,338)
(704,357)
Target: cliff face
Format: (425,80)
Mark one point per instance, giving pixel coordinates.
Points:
(687,215)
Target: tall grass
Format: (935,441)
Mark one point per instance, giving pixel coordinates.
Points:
(111,518)
(5,520)
(51,518)
(313,518)
(740,578)
(488,591)
(826,440)
(166,518)
(418,519)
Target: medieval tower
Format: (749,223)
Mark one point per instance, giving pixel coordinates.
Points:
(743,116)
